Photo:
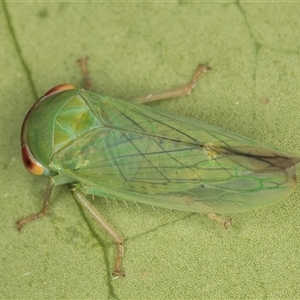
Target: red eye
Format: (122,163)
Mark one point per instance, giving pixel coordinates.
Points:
(30,163)
(59,88)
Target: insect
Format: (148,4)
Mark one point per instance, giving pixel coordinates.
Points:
(107,147)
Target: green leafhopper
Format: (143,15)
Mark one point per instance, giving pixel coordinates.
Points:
(111,148)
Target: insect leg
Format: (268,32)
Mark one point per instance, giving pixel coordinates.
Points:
(86,75)
(224,222)
(177,92)
(117,238)
(45,208)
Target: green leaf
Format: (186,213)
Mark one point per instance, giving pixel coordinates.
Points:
(136,48)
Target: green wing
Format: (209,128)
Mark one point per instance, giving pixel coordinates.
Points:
(150,156)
